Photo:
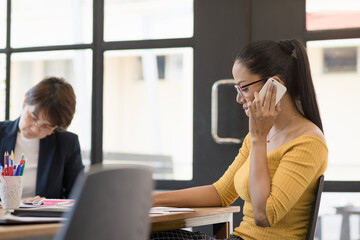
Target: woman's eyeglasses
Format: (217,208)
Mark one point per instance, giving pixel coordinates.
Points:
(42,127)
(240,89)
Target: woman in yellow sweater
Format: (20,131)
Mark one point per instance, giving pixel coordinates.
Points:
(282,157)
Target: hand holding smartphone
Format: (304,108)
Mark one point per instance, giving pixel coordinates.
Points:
(280,90)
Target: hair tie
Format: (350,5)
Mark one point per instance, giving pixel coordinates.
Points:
(286,46)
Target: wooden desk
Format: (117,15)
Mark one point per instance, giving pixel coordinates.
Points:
(28,230)
(219,217)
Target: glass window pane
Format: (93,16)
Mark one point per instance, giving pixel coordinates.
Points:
(331,215)
(2,86)
(43,22)
(148,106)
(335,66)
(148,19)
(332,14)
(27,69)
(2,23)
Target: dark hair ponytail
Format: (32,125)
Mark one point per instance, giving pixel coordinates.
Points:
(306,91)
(287,59)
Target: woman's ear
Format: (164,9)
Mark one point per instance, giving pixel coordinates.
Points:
(278,79)
(24,103)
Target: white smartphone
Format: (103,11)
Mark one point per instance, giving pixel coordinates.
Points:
(280,90)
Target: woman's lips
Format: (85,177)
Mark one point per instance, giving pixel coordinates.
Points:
(29,134)
(245,108)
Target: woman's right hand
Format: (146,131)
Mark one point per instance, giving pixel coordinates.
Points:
(33,199)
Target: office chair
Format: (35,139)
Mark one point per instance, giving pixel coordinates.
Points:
(314,214)
(110,204)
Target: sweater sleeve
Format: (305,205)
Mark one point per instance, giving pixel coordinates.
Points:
(300,166)
(225,185)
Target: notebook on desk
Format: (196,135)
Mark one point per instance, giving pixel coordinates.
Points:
(41,211)
(52,214)
(10,219)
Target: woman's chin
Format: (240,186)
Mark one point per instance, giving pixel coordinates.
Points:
(27,135)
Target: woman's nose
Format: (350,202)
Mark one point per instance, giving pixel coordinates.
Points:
(240,99)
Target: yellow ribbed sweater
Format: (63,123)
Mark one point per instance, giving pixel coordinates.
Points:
(294,170)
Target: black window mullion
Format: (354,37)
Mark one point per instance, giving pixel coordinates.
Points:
(98,81)
(52,48)
(145,44)
(7,97)
(332,34)
(341,186)
(8,59)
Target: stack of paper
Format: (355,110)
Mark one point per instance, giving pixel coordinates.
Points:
(162,210)
(12,219)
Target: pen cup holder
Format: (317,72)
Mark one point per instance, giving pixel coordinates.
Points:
(11,191)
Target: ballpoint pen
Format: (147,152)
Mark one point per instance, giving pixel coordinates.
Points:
(33,203)
(8,158)
(22,169)
(12,157)
(18,170)
(14,171)
(22,160)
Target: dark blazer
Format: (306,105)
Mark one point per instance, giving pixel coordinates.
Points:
(59,160)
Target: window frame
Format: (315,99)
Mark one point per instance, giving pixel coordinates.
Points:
(98,48)
(333,34)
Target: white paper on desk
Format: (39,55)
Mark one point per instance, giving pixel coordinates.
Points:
(161,210)
(32,219)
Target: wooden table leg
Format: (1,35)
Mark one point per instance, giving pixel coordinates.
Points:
(221,230)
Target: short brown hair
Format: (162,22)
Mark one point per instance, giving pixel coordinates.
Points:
(55,98)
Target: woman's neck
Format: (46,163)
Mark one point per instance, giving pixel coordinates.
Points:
(288,112)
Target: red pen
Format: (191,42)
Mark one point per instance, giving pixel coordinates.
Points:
(11,168)
(6,170)
(21,161)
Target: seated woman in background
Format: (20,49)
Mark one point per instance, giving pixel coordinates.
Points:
(281,159)
(53,154)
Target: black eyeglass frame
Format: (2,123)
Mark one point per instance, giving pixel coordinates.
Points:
(239,89)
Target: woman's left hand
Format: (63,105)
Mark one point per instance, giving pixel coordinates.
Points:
(262,116)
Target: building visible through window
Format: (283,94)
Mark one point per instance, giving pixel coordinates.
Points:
(343,59)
